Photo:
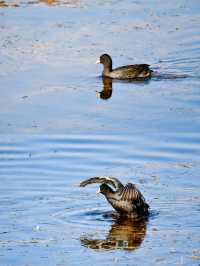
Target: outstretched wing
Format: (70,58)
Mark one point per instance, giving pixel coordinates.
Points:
(103,180)
(132,193)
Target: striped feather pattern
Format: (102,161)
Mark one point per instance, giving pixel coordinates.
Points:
(103,180)
(127,200)
(130,193)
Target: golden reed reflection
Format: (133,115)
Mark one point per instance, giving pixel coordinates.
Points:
(32,2)
(125,233)
(60,2)
(3,4)
(49,2)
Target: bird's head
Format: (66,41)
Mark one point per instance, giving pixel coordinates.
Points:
(104,189)
(106,60)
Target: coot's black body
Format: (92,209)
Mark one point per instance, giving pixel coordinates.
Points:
(126,200)
(139,71)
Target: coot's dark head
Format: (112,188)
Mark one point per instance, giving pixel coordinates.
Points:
(106,60)
(105,189)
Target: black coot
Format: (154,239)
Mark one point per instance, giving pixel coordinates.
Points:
(140,71)
(126,200)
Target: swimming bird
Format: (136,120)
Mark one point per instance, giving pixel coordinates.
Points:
(126,200)
(140,71)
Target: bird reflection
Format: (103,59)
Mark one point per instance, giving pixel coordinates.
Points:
(125,233)
(106,93)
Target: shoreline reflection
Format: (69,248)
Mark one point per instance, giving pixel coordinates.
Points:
(4,3)
(126,234)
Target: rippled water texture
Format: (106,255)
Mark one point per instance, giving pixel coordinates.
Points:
(60,123)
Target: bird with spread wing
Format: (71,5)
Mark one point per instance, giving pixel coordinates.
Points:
(126,200)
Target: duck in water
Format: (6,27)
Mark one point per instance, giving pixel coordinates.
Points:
(139,71)
(126,200)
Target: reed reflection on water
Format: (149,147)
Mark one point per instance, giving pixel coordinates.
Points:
(125,233)
(58,2)
(47,2)
(3,3)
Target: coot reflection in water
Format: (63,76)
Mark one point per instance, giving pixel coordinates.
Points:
(125,233)
(106,93)
(107,90)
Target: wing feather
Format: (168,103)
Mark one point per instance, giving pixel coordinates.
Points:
(134,70)
(131,193)
(103,180)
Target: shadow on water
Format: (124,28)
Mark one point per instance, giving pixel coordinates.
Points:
(124,233)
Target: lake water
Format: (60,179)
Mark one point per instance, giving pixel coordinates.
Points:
(56,130)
